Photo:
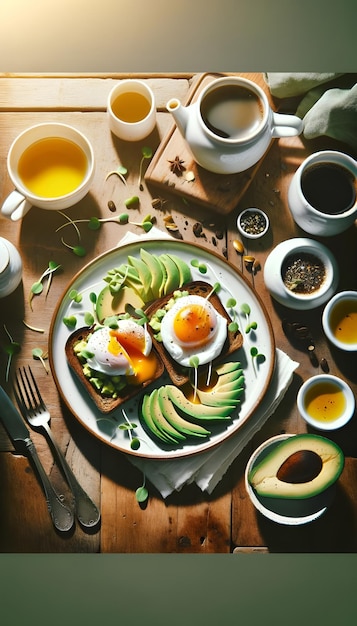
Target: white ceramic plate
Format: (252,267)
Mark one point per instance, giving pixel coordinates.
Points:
(233,284)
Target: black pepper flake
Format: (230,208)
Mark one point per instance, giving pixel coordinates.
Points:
(253,223)
(303,273)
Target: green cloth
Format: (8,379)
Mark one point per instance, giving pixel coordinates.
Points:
(287,85)
(326,111)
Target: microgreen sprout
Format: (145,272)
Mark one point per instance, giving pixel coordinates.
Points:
(142,493)
(146,154)
(194,362)
(245,310)
(88,318)
(12,348)
(233,325)
(129,427)
(34,328)
(77,250)
(37,287)
(40,355)
(121,172)
(75,296)
(202,267)
(215,288)
(132,202)
(70,321)
(257,357)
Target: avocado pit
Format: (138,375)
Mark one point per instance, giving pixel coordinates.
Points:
(300,467)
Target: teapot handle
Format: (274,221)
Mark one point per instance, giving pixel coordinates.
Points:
(286,125)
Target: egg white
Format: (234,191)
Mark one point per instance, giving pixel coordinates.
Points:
(183,353)
(115,364)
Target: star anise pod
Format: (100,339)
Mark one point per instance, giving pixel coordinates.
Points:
(177,166)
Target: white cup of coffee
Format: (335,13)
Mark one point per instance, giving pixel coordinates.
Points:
(51,166)
(131,110)
(323,193)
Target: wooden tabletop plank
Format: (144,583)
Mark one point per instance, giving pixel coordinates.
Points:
(83,94)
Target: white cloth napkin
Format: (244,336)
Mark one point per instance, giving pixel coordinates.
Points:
(207,469)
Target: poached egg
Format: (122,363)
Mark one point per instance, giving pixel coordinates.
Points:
(193,327)
(122,351)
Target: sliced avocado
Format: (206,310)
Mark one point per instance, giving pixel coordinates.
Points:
(220,398)
(144,276)
(108,305)
(176,420)
(172,281)
(155,269)
(197,410)
(183,268)
(230,366)
(161,422)
(284,472)
(146,416)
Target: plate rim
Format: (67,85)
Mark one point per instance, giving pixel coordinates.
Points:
(172,454)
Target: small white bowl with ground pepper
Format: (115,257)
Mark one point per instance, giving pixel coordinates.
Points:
(252,223)
(301,273)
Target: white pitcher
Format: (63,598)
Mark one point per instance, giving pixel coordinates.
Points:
(230,126)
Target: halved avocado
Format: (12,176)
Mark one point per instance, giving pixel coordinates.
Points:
(300,467)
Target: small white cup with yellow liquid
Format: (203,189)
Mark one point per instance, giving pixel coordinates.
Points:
(131,110)
(326,402)
(51,166)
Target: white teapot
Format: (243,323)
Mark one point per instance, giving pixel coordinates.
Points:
(230,126)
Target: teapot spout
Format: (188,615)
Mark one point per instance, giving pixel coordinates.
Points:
(180,114)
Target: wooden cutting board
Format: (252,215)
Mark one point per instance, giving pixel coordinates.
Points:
(217,192)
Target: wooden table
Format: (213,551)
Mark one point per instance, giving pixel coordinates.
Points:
(189,521)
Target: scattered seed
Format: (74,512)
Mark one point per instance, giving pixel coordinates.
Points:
(324,365)
(197,229)
(111,206)
(158,203)
(238,246)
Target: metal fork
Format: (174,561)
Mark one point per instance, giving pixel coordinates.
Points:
(34,410)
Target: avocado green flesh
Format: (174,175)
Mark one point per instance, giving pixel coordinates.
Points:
(172,417)
(263,477)
(178,422)
(151,276)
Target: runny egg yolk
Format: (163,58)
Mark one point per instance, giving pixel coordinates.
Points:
(194,325)
(133,346)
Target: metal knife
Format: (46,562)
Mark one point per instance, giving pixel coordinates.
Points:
(62,517)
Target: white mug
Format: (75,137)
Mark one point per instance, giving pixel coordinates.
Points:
(322,195)
(51,166)
(131,110)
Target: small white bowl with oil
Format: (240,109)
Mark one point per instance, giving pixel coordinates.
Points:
(326,402)
(339,320)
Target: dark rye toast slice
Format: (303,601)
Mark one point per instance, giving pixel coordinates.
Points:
(179,375)
(106,404)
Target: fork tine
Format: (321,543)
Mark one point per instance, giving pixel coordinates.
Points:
(27,390)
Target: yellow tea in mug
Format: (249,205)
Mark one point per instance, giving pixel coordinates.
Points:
(325,402)
(344,321)
(52,167)
(131,107)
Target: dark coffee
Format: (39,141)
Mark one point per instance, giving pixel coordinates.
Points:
(232,111)
(329,188)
